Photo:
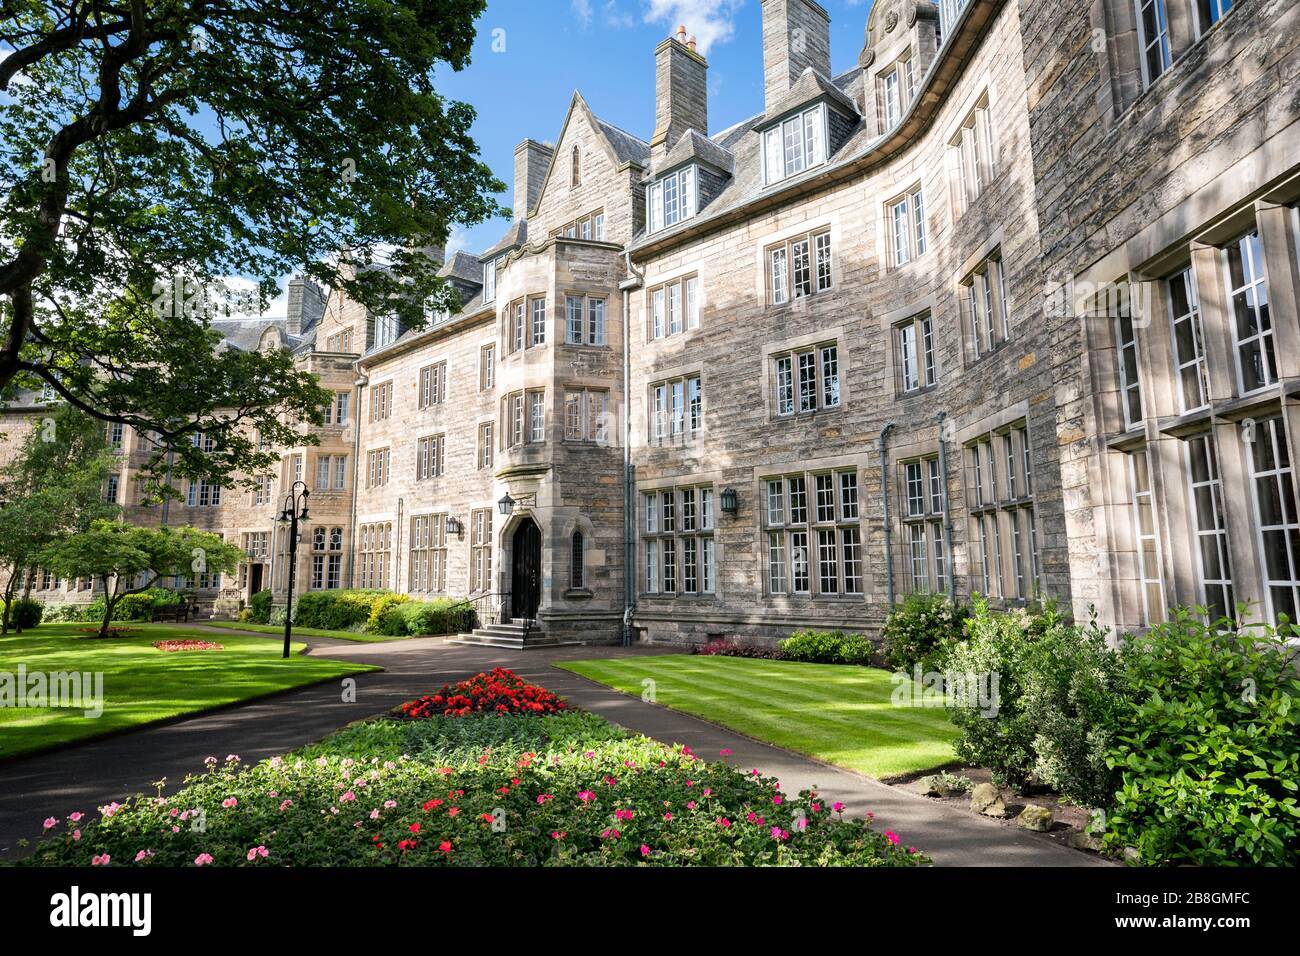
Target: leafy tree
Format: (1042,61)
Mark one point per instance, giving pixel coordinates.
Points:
(147,149)
(54,487)
(129,559)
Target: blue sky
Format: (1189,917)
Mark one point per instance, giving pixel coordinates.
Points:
(530,55)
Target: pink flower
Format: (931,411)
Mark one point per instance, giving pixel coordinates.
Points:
(143,855)
(817,808)
(176,829)
(257,851)
(286,804)
(724,823)
(374,814)
(911,849)
(585,795)
(389,804)
(347,797)
(724,752)
(776,801)
(668,816)
(51,823)
(779,834)
(229,802)
(622,814)
(838,807)
(645,850)
(543,797)
(232,758)
(76,835)
(75,817)
(892,837)
(100,860)
(708,791)
(277,762)
(203,859)
(110,809)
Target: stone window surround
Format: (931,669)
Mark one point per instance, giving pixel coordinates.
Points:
(717,480)
(643,424)
(762,244)
(992,245)
(833,335)
(693,268)
(982,94)
(593,556)
(561,320)
(1224,207)
(887,244)
(868,494)
(1117,20)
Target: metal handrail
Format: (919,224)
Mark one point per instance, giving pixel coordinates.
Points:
(485,609)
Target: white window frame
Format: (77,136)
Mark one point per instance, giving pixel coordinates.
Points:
(810,129)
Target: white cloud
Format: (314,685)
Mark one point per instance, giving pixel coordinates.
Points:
(616,18)
(709,21)
(582,10)
(457,239)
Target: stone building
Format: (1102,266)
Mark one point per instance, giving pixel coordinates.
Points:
(1007,306)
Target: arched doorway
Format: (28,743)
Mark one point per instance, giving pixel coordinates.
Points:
(526,569)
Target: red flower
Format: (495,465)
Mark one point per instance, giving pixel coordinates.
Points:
(414,828)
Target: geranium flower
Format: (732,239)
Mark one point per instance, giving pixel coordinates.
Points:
(389,804)
(668,816)
(779,834)
(543,797)
(445,846)
(453,811)
(585,795)
(892,837)
(51,823)
(143,855)
(347,797)
(257,851)
(414,828)
(724,752)
(645,850)
(203,859)
(229,802)
(76,835)
(75,817)
(839,808)
(432,803)
(100,860)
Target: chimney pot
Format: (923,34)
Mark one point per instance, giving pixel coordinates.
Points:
(690,44)
(681,33)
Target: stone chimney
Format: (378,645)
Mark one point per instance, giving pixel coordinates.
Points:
(796,35)
(306,305)
(681,93)
(532,159)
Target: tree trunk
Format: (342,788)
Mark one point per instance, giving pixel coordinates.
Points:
(110,602)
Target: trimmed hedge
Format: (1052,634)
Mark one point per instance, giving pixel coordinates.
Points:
(377,612)
(336,610)
(827,647)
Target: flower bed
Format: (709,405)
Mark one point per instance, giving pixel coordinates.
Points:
(187,646)
(499,691)
(566,789)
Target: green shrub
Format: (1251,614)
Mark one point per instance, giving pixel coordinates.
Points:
(336,610)
(827,647)
(916,628)
(1001,740)
(1208,745)
(25,613)
(383,618)
(277,616)
(57,613)
(1072,690)
(439,616)
(259,607)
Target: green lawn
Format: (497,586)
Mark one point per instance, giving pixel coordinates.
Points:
(836,713)
(305,631)
(142,684)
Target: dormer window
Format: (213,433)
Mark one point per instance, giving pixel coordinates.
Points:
(671,199)
(490,280)
(386,329)
(794,145)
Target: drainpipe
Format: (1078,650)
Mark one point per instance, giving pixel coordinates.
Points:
(632,281)
(358,384)
(884,497)
(947,512)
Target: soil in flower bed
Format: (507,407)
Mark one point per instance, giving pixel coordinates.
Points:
(1069,819)
(566,789)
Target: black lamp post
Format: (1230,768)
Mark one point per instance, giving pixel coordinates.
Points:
(507,504)
(295,510)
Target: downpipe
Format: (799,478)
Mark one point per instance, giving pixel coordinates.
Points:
(884,497)
(947,511)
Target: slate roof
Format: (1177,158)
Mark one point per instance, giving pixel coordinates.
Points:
(627,147)
(743,143)
(695,145)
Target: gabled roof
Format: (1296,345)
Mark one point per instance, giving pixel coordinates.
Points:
(810,86)
(697,146)
(462,265)
(621,145)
